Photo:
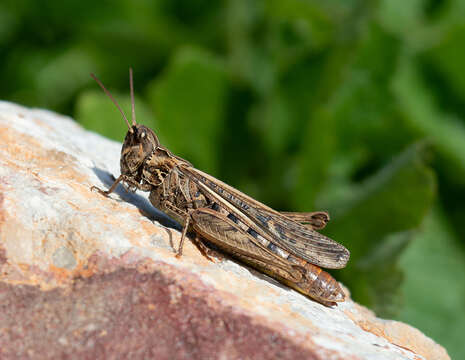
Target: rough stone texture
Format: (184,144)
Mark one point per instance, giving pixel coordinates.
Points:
(83,276)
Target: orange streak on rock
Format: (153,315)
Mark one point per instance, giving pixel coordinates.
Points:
(62,275)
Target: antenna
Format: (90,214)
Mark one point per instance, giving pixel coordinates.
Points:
(133,106)
(112,99)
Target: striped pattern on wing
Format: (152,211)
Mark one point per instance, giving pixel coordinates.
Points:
(225,234)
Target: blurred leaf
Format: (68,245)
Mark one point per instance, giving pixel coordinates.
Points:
(357,126)
(61,78)
(140,33)
(382,277)
(9,22)
(248,53)
(272,120)
(314,160)
(449,56)
(400,16)
(189,101)
(96,112)
(422,114)
(303,24)
(363,103)
(51,79)
(389,249)
(24,64)
(394,200)
(434,287)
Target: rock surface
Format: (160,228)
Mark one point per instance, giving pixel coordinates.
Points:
(84,276)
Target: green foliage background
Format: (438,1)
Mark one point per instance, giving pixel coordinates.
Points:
(355,107)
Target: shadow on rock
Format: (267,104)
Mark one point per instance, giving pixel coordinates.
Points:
(142,203)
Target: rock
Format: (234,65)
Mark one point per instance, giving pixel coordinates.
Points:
(84,276)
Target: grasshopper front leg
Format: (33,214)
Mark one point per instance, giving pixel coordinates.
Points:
(126,179)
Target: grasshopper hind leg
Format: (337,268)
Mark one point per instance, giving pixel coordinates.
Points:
(183,236)
(304,277)
(197,242)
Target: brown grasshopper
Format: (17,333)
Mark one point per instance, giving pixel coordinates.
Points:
(283,245)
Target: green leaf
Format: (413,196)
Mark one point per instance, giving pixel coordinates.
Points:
(314,160)
(424,116)
(449,56)
(434,287)
(401,17)
(248,53)
(272,119)
(311,22)
(189,101)
(9,22)
(60,78)
(374,224)
(356,125)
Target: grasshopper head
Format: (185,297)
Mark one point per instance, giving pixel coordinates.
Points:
(140,141)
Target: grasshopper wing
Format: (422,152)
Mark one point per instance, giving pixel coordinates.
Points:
(279,229)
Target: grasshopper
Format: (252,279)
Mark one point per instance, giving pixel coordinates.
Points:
(283,245)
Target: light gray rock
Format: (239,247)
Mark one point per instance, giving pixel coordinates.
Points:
(87,276)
